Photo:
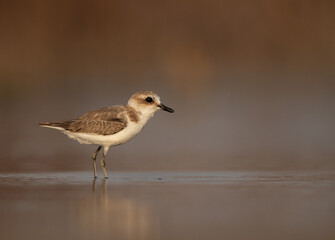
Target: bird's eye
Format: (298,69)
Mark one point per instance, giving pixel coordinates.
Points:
(149,99)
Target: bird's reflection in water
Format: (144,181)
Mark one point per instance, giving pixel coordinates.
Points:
(103,186)
(108,212)
(99,199)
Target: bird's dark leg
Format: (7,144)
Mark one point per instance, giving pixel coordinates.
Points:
(94,157)
(102,162)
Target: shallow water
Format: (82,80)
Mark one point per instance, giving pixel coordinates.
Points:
(168,205)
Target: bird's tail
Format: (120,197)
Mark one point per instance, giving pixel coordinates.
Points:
(62,125)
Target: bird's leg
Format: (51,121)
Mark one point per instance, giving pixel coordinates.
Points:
(94,157)
(102,162)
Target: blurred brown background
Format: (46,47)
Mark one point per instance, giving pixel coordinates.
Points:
(252,82)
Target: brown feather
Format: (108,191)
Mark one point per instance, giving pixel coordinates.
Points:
(104,121)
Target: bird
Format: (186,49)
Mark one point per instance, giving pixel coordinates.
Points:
(111,126)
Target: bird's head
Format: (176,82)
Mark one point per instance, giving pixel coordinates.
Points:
(147,102)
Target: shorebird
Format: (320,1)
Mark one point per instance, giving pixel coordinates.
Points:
(111,126)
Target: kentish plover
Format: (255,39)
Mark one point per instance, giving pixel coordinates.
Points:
(111,126)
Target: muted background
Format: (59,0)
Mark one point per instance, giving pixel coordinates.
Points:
(252,82)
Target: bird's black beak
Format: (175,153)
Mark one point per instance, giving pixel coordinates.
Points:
(165,108)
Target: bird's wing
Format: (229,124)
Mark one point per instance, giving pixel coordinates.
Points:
(104,121)
(97,127)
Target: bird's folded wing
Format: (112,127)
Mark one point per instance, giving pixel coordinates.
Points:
(96,126)
(104,121)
